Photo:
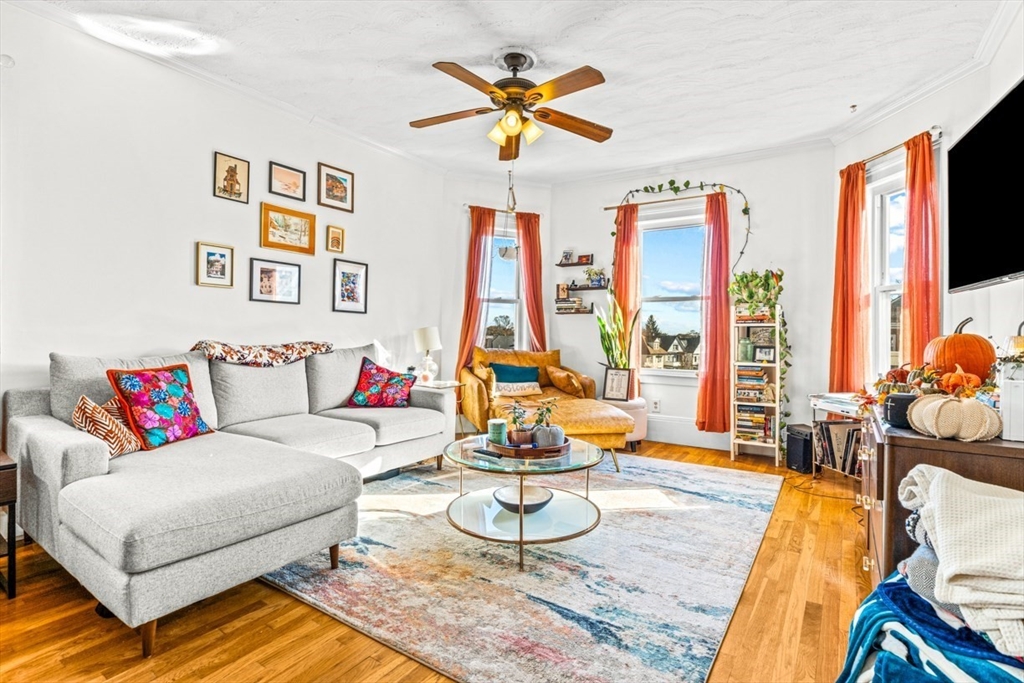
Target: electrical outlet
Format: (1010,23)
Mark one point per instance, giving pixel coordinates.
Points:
(656,405)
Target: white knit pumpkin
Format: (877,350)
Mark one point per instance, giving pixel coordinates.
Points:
(948,417)
(915,411)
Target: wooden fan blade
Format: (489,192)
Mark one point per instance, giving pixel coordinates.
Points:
(510,150)
(580,79)
(471,79)
(454,116)
(573,124)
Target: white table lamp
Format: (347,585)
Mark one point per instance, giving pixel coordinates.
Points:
(427,339)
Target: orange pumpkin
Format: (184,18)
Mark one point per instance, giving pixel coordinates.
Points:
(972,352)
(899,374)
(951,381)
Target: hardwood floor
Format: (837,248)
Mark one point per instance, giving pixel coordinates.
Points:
(790,625)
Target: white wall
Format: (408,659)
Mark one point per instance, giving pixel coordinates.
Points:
(996,310)
(107,177)
(790,197)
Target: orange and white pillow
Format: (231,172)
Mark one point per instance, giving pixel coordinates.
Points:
(107,423)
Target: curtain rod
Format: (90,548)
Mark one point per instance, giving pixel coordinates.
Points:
(936,132)
(660,201)
(466,206)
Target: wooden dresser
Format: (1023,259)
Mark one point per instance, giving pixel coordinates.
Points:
(888,454)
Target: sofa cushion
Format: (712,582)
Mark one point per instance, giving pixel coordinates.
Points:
(379,387)
(390,425)
(200,495)
(245,393)
(310,433)
(108,424)
(515,373)
(566,381)
(332,376)
(159,404)
(72,377)
(538,359)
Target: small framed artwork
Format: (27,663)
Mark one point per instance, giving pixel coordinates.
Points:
(616,384)
(349,286)
(286,181)
(230,178)
(335,188)
(288,230)
(762,336)
(215,265)
(764,354)
(562,291)
(335,239)
(566,256)
(585,259)
(274,282)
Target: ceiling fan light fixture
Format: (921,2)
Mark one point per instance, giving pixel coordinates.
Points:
(497,135)
(511,123)
(531,131)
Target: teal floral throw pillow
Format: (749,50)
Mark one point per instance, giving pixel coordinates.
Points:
(379,387)
(158,404)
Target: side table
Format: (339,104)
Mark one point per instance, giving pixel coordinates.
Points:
(446,384)
(9,497)
(636,409)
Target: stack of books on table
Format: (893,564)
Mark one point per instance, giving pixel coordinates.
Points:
(572,304)
(750,383)
(752,424)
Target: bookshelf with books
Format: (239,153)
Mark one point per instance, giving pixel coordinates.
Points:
(754,381)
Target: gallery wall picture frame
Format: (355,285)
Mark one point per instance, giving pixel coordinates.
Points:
(285,181)
(215,265)
(335,239)
(616,383)
(286,229)
(350,286)
(764,354)
(335,187)
(274,281)
(230,178)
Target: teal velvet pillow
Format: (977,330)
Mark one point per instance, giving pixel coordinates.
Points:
(515,373)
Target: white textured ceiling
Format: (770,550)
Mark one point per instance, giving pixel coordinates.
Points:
(685,80)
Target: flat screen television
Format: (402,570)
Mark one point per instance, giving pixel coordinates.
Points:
(985,243)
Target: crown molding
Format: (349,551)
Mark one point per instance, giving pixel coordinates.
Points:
(50,12)
(994,35)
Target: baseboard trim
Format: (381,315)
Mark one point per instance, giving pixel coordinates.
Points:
(683,431)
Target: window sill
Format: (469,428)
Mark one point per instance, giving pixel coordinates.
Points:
(682,378)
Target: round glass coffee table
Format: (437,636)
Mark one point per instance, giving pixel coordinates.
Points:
(566,515)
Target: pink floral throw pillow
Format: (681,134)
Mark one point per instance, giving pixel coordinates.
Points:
(158,404)
(379,387)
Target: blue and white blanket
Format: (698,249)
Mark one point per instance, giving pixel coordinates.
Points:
(899,637)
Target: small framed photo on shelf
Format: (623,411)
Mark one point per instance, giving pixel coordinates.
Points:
(288,230)
(335,188)
(230,178)
(562,290)
(585,259)
(286,181)
(349,286)
(764,354)
(335,239)
(274,282)
(566,256)
(616,384)
(215,265)
(762,336)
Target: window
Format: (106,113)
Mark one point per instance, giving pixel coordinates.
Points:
(501,328)
(671,269)
(887,229)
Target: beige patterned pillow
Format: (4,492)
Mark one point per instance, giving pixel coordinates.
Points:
(517,389)
(106,423)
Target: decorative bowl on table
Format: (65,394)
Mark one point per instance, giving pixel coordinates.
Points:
(535,498)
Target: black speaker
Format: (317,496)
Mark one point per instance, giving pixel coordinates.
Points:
(799,449)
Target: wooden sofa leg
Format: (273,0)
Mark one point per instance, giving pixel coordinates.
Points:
(334,556)
(148,638)
(440,461)
(615,459)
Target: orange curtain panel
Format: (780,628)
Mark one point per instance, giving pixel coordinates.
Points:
(713,375)
(481,232)
(919,322)
(851,299)
(626,280)
(528,229)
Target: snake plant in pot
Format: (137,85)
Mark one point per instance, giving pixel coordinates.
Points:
(616,336)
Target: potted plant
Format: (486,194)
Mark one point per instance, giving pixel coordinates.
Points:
(616,336)
(521,432)
(594,275)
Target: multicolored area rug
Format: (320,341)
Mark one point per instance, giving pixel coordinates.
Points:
(645,597)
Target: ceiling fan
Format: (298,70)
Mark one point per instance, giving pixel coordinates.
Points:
(516,97)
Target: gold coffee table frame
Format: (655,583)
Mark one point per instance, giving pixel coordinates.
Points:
(478,505)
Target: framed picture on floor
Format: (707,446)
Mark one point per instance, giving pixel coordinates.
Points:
(274,282)
(616,384)
(349,294)
(215,265)
(230,178)
(335,239)
(286,181)
(335,188)
(764,354)
(288,230)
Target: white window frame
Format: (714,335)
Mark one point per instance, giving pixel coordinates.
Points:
(506,231)
(885,179)
(672,217)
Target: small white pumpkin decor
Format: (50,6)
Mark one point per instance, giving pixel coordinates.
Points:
(548,436)
(947,417)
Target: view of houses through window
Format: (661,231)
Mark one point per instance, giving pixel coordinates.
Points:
(500,318)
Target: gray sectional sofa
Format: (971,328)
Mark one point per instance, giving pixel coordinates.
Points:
(151,532)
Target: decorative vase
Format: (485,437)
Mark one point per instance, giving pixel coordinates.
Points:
(520,437)
(497,431)
(746,350)
(548,436)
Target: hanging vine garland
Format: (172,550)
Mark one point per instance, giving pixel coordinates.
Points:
(676,189)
